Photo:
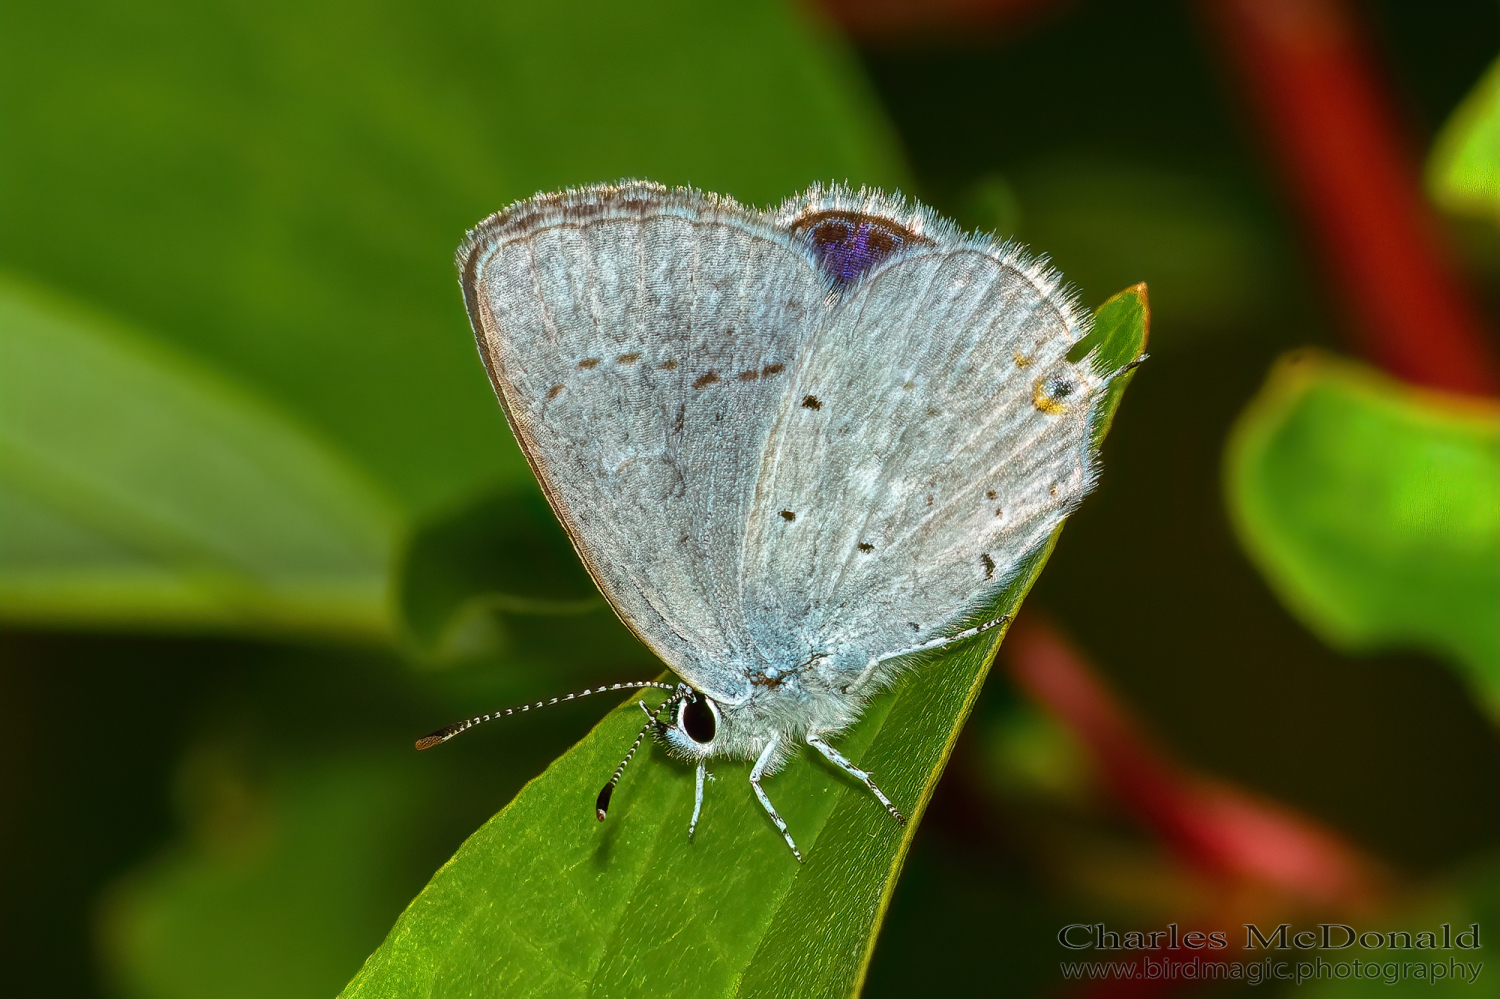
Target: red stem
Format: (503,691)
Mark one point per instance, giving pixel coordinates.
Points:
(1222,831)
(1334,129)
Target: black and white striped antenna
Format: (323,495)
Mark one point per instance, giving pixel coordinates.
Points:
(442,735)
(601,804)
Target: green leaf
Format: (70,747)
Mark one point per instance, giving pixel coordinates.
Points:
(277,187)
(1463,170)
(137,488)
(1114,343)
(283,886)
(1467,896)
(1373,509)
(466,572)
(1208,249)
(544,901)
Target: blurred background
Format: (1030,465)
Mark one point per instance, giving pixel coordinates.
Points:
(262,523)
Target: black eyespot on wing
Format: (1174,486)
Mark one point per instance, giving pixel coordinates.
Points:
(788,516)
(1049,393)
(865,546)
(811,402)
(697,720)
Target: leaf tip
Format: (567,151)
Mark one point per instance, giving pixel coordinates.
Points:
(1139,293)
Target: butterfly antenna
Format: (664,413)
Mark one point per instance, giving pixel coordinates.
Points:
(442,735)
(601,806)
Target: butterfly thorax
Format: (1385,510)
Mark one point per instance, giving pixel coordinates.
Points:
(784,704)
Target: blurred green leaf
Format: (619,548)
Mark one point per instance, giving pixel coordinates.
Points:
(283,887)
(991,204)
(278,189)
(503,555)
(544,901)
(1373,509)
(1030,753)
(1209,257)
(278,186)
(1470,895)
(1463,170)
(137,488)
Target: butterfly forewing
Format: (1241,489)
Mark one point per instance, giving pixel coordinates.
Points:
(641,342)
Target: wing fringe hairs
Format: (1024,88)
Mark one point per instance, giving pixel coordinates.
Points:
(639,199)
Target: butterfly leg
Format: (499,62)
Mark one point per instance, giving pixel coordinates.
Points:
(839,760)
(698,799)
(928,646)
(766,756)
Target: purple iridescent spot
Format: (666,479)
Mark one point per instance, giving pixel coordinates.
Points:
(849,244)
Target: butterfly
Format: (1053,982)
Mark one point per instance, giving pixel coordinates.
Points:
(794,447)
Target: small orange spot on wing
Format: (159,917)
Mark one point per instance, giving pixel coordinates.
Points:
(1042,399)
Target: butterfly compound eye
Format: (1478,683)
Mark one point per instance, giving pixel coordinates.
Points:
(697,720)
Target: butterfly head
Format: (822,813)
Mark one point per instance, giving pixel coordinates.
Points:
(690,723)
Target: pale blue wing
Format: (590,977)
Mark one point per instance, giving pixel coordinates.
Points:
(641,342)
(934,435)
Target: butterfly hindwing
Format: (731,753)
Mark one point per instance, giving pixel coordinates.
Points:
(934,435)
